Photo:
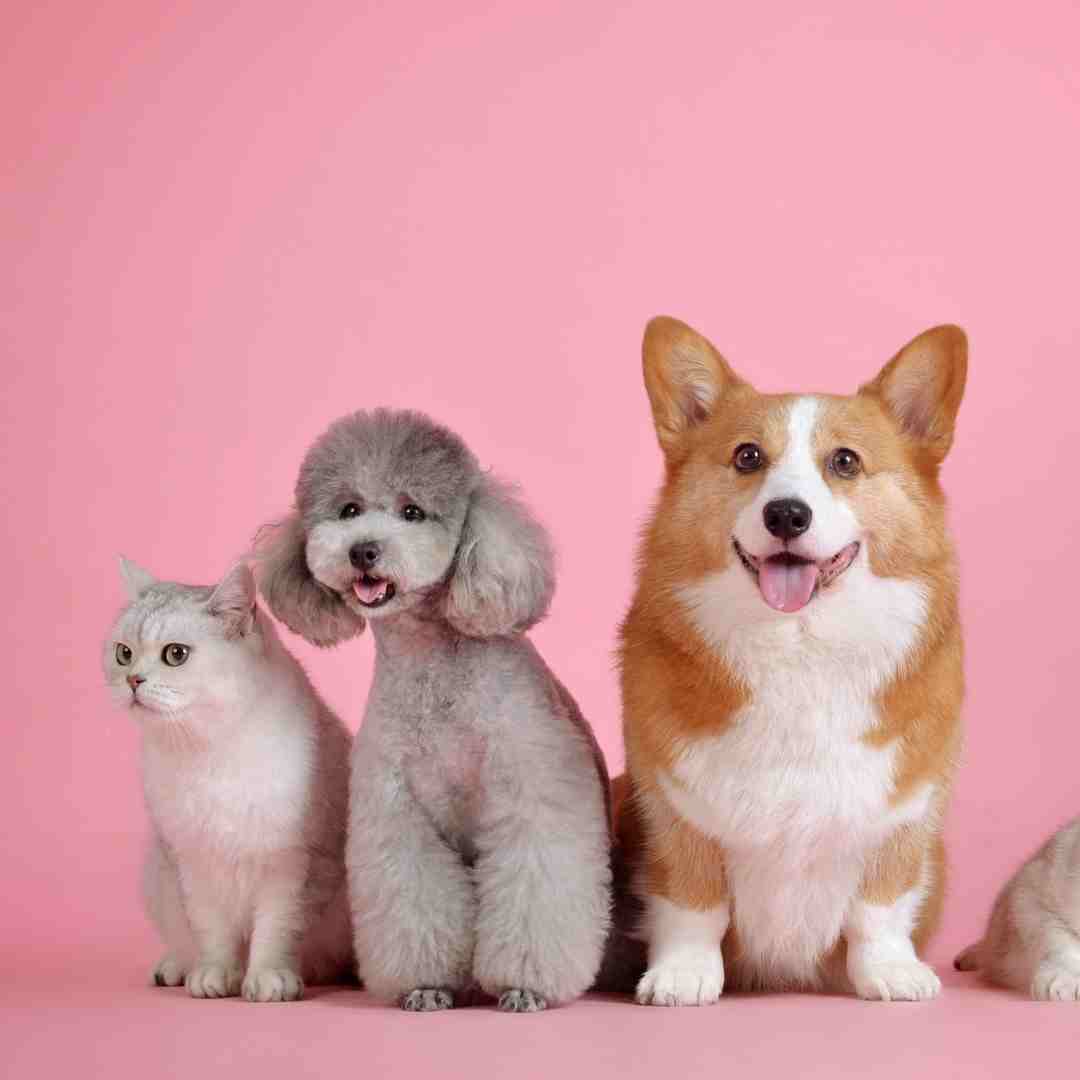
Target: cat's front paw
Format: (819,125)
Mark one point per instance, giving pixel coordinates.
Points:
(522,1001)
(689,979)
(1055,982)
(273,984)
(168,971)
(426,999)
(898,980)
(213,981)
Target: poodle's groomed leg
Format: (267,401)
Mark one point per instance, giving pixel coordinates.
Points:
(412,900)
(543,881)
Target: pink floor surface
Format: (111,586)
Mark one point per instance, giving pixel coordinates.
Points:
(90,1014)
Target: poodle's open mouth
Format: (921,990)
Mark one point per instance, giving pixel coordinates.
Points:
(789,582)
(373,591)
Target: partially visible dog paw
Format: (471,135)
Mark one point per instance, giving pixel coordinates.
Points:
(902,980)
(522,1001)
(212,981)
(273,984)
(427,1000)
(168,971)
(690,981)
(1053,982)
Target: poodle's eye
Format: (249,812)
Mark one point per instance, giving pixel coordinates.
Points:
(412,512)
(749,457)
(123,654)
(349,510)
(175,654)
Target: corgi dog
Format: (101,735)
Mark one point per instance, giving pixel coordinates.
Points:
(791,670)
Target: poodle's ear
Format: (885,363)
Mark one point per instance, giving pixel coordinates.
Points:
(303,604)
(136,579)
(504,573)
(233,601)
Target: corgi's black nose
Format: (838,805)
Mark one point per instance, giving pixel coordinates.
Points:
(787,518)
(364,555)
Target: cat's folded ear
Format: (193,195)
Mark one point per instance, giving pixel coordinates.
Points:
(233,601)
(304,605)
(504,574)
(136,579)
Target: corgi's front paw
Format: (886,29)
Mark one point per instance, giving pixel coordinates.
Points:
(897,980)
(273,984)
(213,981)
(168,971)
(1055,982)
(689,979)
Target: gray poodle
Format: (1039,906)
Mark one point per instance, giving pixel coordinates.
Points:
(478,849)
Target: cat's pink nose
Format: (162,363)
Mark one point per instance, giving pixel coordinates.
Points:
(134,680)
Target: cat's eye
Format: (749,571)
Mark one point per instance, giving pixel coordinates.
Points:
(412,512)
(749,457)
(349,510)
(175,654)
(123,654)
(845,463)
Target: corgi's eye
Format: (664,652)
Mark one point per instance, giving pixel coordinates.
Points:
(349,510)
(845,463)
(412,512)
(175,654)
(123,654)
(749,457)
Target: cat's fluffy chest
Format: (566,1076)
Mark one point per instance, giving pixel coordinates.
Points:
(246,795)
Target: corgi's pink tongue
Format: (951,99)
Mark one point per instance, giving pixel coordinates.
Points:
(787,586)
(370,594)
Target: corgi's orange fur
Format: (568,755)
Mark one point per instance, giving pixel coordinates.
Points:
(792,677)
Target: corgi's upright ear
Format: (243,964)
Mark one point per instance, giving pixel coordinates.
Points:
(685,377)
(922,385)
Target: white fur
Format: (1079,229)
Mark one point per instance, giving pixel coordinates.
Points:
(794,795)
(245,777)
(686,966)
(881,960)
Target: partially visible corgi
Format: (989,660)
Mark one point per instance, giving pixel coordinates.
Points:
(792,677)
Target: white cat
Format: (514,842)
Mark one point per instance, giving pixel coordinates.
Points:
(245,772)
(1032,941)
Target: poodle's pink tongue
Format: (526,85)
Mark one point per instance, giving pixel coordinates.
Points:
(370,594)
(787,586)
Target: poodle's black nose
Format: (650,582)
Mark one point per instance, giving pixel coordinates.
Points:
(787,518)
(364,555)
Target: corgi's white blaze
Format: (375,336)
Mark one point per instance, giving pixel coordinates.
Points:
(798,475)
(686,966)
(791,790)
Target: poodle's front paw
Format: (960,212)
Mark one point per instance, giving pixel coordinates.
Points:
(522,1001)
(213,981)
(168,971)
(688,979)
(899,980)
(273,984)
(425,999)
(1055,982)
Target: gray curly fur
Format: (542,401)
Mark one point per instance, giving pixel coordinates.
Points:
(478,851)
(292,594)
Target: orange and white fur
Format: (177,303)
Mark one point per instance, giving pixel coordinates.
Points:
(1032,941)
(792,677)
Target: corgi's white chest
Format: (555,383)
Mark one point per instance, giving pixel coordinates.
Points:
(791,789)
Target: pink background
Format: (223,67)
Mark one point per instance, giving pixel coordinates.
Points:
(226,224)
